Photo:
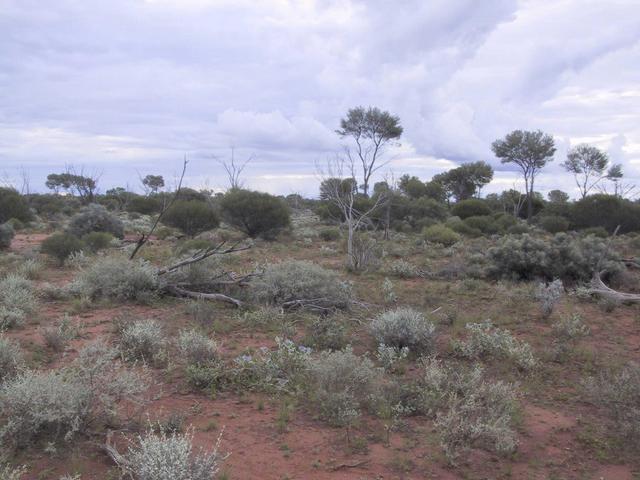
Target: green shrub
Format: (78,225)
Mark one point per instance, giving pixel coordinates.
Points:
(470,208)
(327,332)
(96,218)
(97,241)
(404,327)
(145,205)
(486,340)
(548,295)
(564,256)
(403,269)
(504,221)
(341,385)
(17,301)
(599,232)
(553,223)
(195,244)
(162,456)
(330,234)
(13,205)
(607,211)
(191,217)
(11,359)
(566,333)
(142,340)
(617,392)
(6,235)
(295,281)
(254,213)
(197,349)
(518,229)
(16,223)
(58,404)
(117,278)
(9,472)
(441,234)
(459,226)
(484,223)
(61,245)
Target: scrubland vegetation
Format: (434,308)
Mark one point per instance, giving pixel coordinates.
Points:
(412,330)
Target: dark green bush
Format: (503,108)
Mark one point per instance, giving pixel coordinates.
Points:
(484,223)
(254,213)
(6,235)
(95,218)
(96,241)
(13,205)
(440,234)
(470,208)
(504,221)
(553,223)
(145,205)
(191,217)
(16,224)
(599,232)
(194,244)
(458,226)
(426,208)
(330,234)
(607,211)
(61,245)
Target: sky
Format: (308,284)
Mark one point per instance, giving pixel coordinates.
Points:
(126,88)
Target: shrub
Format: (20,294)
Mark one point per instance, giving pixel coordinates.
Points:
(30,269)
(484,223)
(117,278)
(548,295)
(61,245)
(191,217)
(58,336)
(142,340)
(196,348)
(97,241)
(565,257)
(553,223)
(599,232)
(566,333)
(607,211)
(441,234)
(486,340)
(327,333)
(480,413)
(618,394)
(391,357)
(162,456)
(459,226)
(403,269)
(404,327)
(17,301)
(6,235)
(295,280)
(388,292)
(8,472)
(63,403)
(11,360)
(330,234)
(365,254)
(13,205)
(255,213)
(342,384)
(470,208)
(145,205)
(95,218)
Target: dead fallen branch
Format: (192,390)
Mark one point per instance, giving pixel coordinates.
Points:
(217,297)
(599,289)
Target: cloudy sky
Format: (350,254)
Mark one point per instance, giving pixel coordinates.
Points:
(129,86)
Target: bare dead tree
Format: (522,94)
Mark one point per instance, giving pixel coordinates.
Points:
(25,180)
(343,169)
(234,170)
(144,238)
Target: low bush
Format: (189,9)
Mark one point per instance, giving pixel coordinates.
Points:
(254,213)
(162,456)
(566,333)
(9,472)
(7,233)
(342,384)
(96,241)
(606,211)
(191,217)
(58,336)
(388,292)
(404,327)
(330,234)
(403,269)
(470,208)
(117,278)
(142,340)
(29,268)
(553,223)
(599,232)
(61,245)
(327,332)
(17,301)
(196,348)
(485,223)
(617,392)
(294,281)
(11,359)
(13,205)
(58,404)
(548,294)
(486,340)
(441,234)
(96,218)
